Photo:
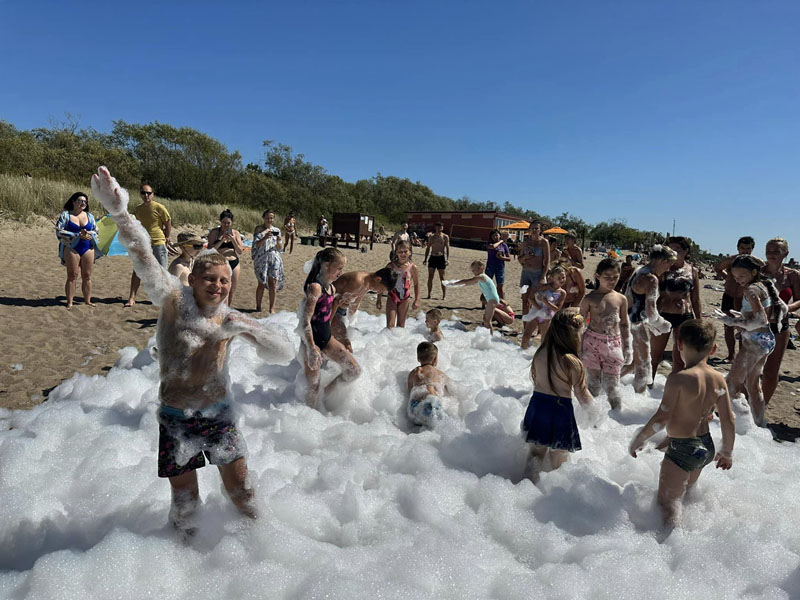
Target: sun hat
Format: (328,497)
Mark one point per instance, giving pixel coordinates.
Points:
(187,237)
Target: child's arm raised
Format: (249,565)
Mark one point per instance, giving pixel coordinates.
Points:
(727,423)
(158,283)
(470,281)
(757,318)
(660,419)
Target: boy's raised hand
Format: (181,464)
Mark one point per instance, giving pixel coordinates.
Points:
(106,189)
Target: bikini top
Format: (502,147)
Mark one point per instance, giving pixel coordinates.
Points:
(678,281)
(78,228)
(535,251)
(636,311)
(766,301)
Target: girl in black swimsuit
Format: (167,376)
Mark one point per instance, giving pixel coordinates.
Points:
(228,242)
(679,301)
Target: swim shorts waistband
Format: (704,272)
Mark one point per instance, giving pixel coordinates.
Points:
(179,413)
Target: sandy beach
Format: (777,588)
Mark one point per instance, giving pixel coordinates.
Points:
(44,343)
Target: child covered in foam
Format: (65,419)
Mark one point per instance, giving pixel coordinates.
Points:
(427,386)
(195,328)
(690,398)
(544,304)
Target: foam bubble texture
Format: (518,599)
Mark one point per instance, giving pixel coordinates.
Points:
(355,506)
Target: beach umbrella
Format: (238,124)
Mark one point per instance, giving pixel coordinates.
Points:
(518,225)
(107,238)
(556,230)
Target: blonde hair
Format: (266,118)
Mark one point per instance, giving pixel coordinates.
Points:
(781,242)
(476,263)
(562,343)
(555,268)
(209,258)
(434,314)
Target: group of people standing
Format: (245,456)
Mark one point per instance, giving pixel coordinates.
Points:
(76,230)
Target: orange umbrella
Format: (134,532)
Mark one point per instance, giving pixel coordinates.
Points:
(518,225)
(556,230)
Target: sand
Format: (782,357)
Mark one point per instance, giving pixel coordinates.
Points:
(44,343)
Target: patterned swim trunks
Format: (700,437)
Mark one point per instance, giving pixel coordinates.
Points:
(602,352)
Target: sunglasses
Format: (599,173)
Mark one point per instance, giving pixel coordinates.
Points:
(146,193)
(197,246)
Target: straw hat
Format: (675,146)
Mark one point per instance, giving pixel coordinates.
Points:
(187,238)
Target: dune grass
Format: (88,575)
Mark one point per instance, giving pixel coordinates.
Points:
(25,199)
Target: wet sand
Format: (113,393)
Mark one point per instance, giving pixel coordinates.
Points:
(44,343)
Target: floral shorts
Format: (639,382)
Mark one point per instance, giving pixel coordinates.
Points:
(602,352)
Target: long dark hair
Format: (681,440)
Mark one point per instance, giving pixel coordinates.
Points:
(327,255)
(70,203)
(751,263)
(563,339)
(226,213)
(491,233)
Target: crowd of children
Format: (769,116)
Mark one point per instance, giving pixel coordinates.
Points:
(584,348)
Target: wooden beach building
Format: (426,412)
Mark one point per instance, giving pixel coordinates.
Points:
(468,228)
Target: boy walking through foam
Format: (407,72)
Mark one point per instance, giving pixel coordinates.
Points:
(426,386)
(690,398)
(195,328)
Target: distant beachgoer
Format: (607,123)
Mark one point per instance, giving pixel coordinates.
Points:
(626,270)
(555,253)
(399,236)
(439,250)
(399,297)
(322,226)
(195,328)
(642,295)
(679,301)
(350,291)
(189,245)
(534,256)
(607,342)
(761,305)
(228,241)
(426,387)
(787,282)
(574,284)
(574,253)
(732,296)
(691,397)
(290,230)
(76,231)
(549,425)
(317,340)
(155,218)
(498,254)
(267,261)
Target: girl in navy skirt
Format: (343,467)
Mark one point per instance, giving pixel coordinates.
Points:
(549,425)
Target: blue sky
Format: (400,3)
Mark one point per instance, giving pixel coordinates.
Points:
(645,111)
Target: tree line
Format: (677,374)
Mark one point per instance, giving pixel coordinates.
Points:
(183,163)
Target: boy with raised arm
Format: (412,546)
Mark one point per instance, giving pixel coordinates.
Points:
(195,328)
(690,397)
(350,291)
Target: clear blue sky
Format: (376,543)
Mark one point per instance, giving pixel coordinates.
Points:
(642,110)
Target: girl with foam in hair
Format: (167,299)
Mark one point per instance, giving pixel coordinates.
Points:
(317,340)
(642,294)
(227,241)
(549,425)
(760,305)
(399,297)
(787,282)
(544,305)
(679,301)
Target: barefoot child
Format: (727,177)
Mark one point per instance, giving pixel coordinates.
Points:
(317,312)
(642,295)
(690,398)
(607,343)
(432,319)
(439,249)
(350,291)
(545,304)
(549,424)
(426,386)
(400,295)
(189,245)
(732,296)
(760,305)
(267,261)
(488,290)
(195,328)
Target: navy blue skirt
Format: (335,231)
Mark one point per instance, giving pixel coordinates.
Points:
(550,421)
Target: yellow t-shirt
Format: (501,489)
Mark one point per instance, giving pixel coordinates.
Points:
(153,217)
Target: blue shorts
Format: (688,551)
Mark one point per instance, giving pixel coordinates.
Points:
(550,421)
(498,272)
(531,278)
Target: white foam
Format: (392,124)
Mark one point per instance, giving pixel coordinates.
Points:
(354,506)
